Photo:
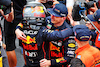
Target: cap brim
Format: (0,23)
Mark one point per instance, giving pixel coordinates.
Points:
(91,17)
(50,10)
(79,27)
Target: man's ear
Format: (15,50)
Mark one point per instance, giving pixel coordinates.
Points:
(75,39)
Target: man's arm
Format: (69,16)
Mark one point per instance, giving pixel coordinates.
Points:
(57,62)
(20,35)
(52,35)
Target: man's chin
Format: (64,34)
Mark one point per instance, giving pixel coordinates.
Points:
(52,21)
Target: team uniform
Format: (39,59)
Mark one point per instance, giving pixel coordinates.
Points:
(34,45)
(89,55)
(33,26)
(60,51)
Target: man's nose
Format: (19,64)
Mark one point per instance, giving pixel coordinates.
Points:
(52,16)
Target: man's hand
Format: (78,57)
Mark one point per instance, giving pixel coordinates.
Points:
(45,63)
(72,22)
(90,26)
(55,2)
(9,17)
(93,9)
(20,35)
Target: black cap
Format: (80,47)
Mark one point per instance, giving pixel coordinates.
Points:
(5,2)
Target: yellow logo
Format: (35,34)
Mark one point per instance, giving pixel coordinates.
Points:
(53,47)
(60,59)
(71,45)
(29,40)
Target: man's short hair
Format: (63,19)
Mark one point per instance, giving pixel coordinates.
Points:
(76,62)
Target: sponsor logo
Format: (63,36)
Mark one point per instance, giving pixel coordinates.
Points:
(38,9)
(53,47)
(61,60)
(35,27)
(57,43)
(57,10)
(30,47)
(39,15)
(71,41)
(70,52)
(29,40)
(53,54)
(79,56)
(30,32)
(31,54)
(71,45)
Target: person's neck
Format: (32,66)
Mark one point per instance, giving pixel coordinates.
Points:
(82,43)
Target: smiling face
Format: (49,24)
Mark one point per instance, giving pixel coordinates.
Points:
(57,21)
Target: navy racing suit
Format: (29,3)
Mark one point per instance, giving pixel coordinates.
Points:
(61,51)
(34,45)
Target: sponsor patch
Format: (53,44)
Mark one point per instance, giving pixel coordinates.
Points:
(99,38)
(60,59)
(71,45)
(79,56)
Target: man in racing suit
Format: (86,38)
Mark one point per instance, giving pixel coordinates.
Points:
(31,33)
(60,51)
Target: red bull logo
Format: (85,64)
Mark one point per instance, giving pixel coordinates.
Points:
(39,15)
(38,9)
(29,40)
(53,54)
(60,60)
(53,47)
(30,47)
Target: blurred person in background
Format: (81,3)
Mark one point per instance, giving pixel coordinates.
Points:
(5,4)
(95,19)
(88,54)
(9,31)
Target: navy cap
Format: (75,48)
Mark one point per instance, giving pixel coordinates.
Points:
(95,16)
(81,32)
(58,10)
